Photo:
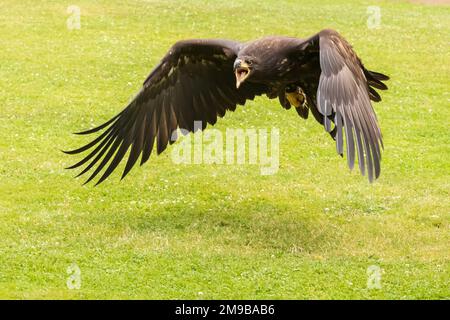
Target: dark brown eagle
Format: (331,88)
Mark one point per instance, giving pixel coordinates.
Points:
(199,80)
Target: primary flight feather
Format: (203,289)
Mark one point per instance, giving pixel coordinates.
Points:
(199,80)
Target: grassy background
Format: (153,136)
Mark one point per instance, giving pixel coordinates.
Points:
(218,231)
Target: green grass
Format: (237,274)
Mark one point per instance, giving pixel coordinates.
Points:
(219,231)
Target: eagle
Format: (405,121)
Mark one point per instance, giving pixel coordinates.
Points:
(201,79)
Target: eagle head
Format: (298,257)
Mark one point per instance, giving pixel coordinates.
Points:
(242,67)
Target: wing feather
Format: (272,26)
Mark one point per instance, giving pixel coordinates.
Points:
(194,81)
(344,90)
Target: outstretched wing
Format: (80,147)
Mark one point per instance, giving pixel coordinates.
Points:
(342,89)
(193,82)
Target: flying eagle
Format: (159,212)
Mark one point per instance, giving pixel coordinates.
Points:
(200,79)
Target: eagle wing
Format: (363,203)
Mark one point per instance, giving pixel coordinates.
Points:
(193,82)
(342,90)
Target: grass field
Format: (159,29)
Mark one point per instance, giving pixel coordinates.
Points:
(310,231)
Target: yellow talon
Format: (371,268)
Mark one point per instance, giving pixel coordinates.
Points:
(297,98)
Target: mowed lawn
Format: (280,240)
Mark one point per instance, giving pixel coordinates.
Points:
(313,230)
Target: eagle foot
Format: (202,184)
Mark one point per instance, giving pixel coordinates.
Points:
(297,98)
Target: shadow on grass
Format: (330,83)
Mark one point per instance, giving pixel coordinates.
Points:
(248,225)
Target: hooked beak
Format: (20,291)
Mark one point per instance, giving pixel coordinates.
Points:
(241,71)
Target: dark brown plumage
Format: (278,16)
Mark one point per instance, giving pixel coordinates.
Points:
(202,79)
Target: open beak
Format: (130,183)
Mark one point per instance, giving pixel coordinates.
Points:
(241,71)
